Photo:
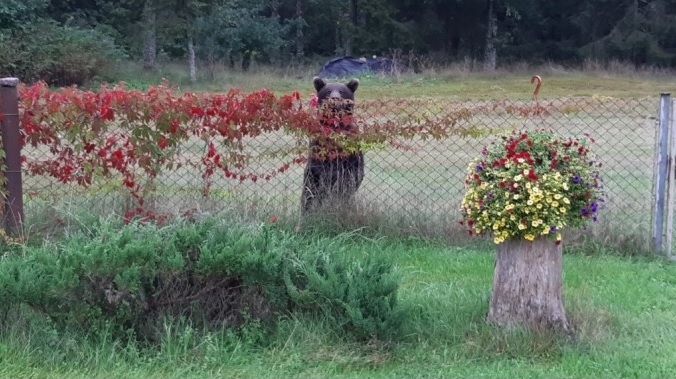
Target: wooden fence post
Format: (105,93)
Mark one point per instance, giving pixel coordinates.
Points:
(11,143)
(661,173)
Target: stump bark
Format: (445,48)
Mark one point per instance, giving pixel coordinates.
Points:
(527,285)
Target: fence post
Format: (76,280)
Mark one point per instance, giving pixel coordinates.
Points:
(661,172)
(671,191)
(11,143)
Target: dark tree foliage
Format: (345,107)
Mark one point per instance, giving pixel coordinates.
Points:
(642,32)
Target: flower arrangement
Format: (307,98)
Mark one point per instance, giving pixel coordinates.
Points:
(533,184)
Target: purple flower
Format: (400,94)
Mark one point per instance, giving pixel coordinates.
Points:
(552,229)
(593,207)
(479,168)
(584,212)
(576,179)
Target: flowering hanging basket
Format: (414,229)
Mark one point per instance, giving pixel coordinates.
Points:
(531,184)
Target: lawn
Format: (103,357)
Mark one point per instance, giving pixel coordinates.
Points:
(623,312)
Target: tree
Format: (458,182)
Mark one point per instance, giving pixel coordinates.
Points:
(637,33)
(15,13)
(149,35)
(238,29)
(300,22)
(490,54)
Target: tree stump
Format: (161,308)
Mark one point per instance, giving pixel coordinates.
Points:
(527,285)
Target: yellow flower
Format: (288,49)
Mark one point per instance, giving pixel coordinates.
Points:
(565,186)
(562,210)
(522,226)
(512,217)
(529,202)
(517,178)
(566,201)
(558,196)
(529,237)
(558,236)
(538,206)
(517,196)
(555,204)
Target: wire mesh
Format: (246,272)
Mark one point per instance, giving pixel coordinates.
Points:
(417,178)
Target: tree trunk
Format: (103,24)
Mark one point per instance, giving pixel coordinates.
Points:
(490,54)
(274,9)
(299,29)
(350,27)
(191,61)
(149,36)
(527,283)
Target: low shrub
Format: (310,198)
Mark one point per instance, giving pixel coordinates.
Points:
(131,278)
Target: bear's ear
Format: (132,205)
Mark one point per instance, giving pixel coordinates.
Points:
(319,83)
(353,85)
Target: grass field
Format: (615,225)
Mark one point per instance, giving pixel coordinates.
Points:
(623,312)
(457,82)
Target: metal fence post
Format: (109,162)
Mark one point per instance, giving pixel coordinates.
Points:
(661,172)
(11,143)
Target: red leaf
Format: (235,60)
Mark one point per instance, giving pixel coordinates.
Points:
(163,142)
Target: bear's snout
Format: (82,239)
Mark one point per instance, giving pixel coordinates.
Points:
(335,94)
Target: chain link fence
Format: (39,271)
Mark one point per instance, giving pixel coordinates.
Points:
(414,183)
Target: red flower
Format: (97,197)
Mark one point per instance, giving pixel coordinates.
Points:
(532,175)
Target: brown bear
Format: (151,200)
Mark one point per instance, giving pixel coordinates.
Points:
(333,174)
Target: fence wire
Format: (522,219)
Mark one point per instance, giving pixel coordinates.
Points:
(416,181)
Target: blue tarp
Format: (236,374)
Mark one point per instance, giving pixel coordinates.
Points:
(348,66)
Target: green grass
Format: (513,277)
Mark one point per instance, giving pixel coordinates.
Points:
(623,311)
(453,82)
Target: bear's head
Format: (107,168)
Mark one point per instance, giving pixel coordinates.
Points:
(335,100)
